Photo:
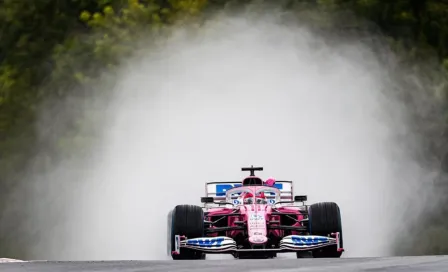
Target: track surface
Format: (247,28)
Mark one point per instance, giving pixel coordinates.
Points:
(405,264)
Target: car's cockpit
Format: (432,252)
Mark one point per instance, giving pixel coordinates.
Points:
(244,196)
(258,200)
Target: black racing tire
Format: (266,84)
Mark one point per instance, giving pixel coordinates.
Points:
(187,220)
(324,219)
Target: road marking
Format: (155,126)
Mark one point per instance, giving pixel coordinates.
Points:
(7,260)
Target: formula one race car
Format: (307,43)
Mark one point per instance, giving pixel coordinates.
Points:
(258,220)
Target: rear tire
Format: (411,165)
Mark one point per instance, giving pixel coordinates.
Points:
(325,218)
(187,220)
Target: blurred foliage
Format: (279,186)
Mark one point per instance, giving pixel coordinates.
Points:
(50,49)
(54,50)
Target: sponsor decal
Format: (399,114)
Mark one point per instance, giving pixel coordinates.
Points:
(256,217)
(257,220)
(309,240)
(221,189)
(206,242)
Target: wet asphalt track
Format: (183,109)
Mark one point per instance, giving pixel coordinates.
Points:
(402,264)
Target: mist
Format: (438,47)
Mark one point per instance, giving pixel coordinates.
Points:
(239,92)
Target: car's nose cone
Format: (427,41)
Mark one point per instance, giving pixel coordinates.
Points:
(258,239)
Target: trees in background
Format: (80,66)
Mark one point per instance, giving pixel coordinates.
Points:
(52,48)
(48,50)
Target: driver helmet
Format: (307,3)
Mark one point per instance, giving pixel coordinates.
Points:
(248,198)
(261,198)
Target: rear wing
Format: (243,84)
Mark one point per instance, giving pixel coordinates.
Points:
(218,189)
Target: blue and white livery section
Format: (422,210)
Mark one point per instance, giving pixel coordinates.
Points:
(206,244)
(218,190)
(306,242)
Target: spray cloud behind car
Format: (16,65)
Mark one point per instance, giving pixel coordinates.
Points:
(243,91)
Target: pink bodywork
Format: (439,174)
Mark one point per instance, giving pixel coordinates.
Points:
(256,216)
(270,182)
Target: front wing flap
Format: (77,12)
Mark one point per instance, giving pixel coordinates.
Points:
(223,244)
(206,244)
(307,242)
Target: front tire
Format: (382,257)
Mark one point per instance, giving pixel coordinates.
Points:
(187,220)
(325,218)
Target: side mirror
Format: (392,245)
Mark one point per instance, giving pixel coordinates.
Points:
(300,198)
(207,199)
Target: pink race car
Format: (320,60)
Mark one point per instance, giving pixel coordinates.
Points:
(258,220)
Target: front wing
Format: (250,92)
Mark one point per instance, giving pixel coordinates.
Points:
(223,244)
